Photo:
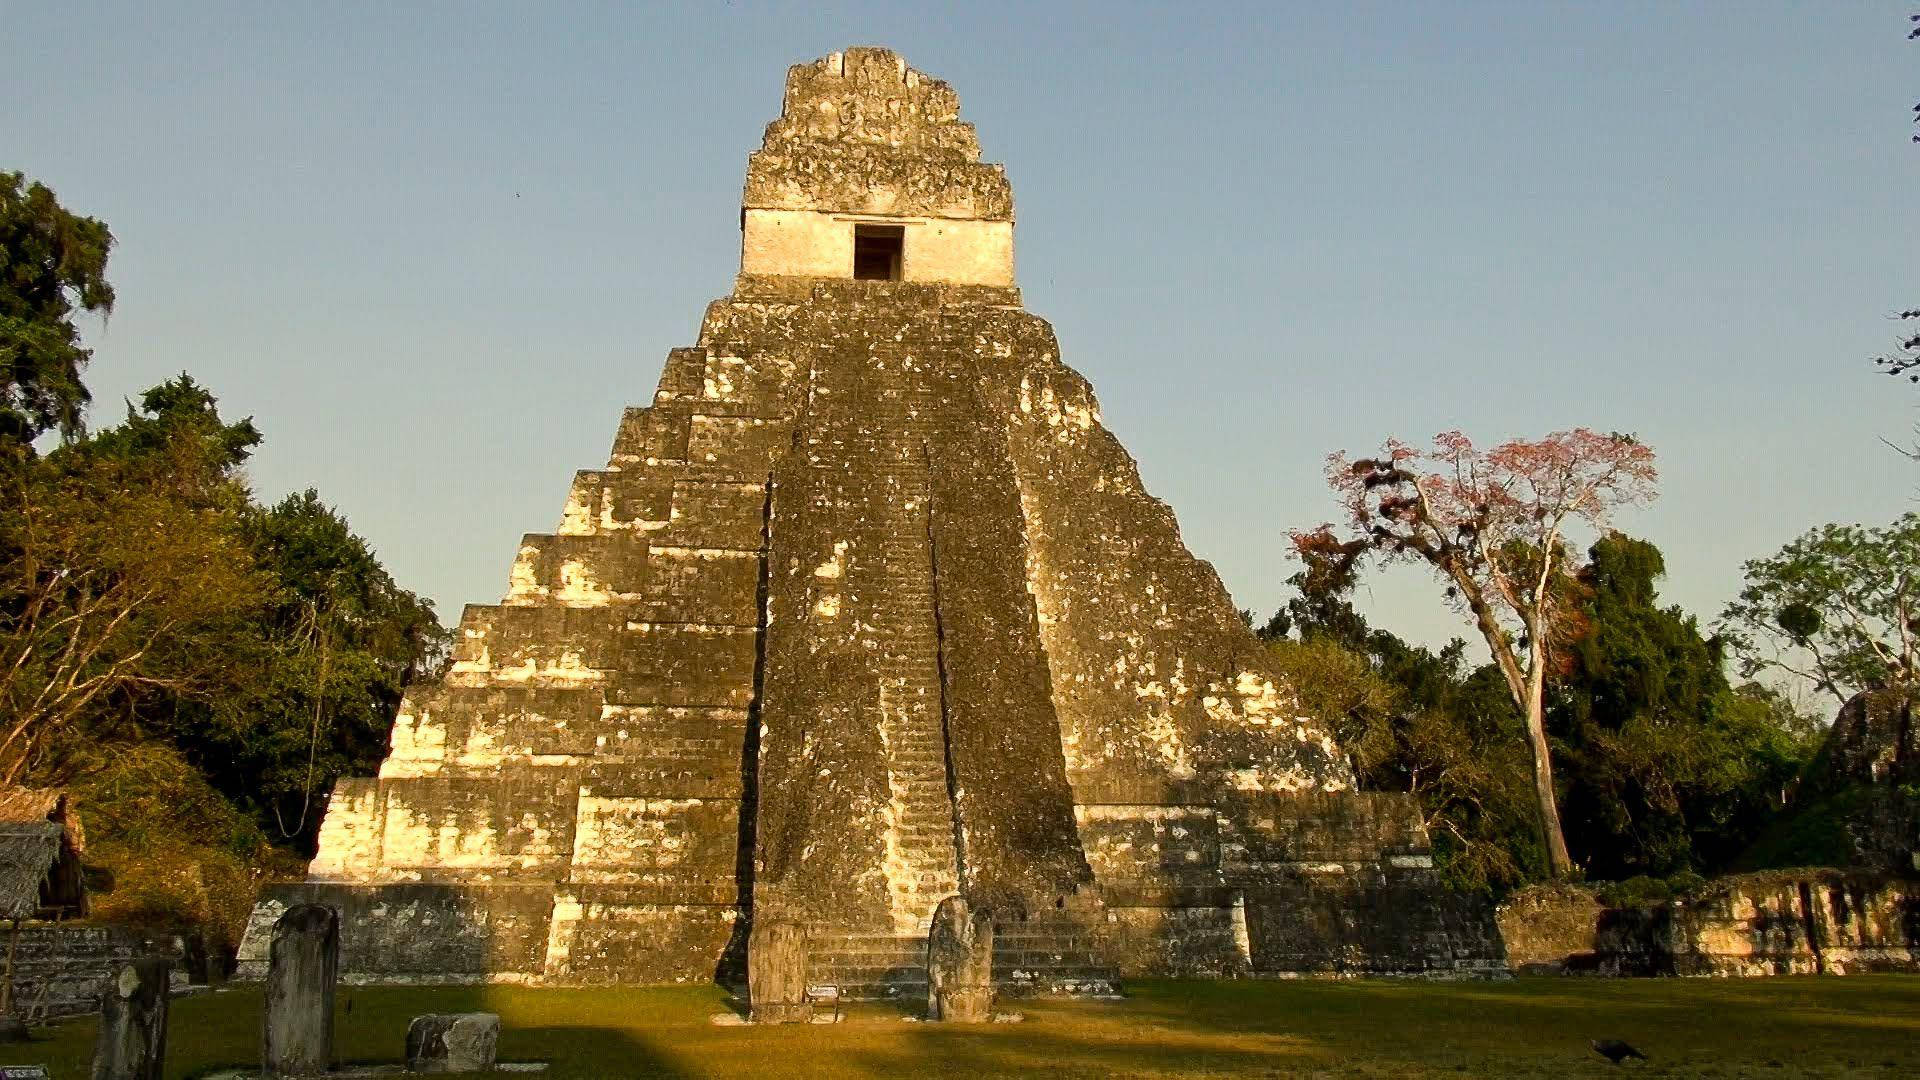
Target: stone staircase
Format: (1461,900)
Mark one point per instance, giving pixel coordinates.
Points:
(1029,960)
(921,857)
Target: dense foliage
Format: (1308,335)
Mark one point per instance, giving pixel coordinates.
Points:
(1839,607)
(52,264)
(196,667)
(265,643)
(1662,767)
(124,580)
(1418,721)
(1665,767)
(334,643)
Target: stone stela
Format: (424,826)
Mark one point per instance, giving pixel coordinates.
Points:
(865,610)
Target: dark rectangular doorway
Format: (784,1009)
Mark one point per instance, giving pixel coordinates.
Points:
(876,252)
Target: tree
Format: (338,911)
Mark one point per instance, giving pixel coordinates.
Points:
(1494,525)
(336,643)
(146,599)
(1839,607)
(178,409)
(122,579)
(1665,768)
(52,263)
(1417,721)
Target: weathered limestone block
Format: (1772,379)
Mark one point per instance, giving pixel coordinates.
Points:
(60,967)
(1776,923)
(304,967)
(453,1042)
(132,1043)
(1873,740)
(415,932)
(777,973)
(960,963)
(671,932)
(1344,883)
(1550,929)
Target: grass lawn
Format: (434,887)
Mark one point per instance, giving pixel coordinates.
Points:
(1782,1027)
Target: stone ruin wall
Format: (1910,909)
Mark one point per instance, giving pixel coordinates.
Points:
(1778,922)
(868,606)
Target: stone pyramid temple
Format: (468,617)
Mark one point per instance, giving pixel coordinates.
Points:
(867,609)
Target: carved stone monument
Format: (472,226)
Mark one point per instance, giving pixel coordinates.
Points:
(297,1023)
(960,963)
(868,608)
(777,972)
(132,1041)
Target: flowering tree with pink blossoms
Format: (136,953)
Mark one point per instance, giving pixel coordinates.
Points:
(1494,524)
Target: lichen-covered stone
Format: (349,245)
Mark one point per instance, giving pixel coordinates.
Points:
(1873,740)
(1551,930)
(960,963)
(297,1011)
(1858,795)
(453,1042)
(1775,923)
(868,608)
(131,1043)
(777,972)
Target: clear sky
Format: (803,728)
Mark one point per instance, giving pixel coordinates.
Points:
(433,249)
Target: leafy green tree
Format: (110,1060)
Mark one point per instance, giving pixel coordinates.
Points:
(1838,607)
(180,409)
(52,264)
(1417,721)
(147,598)
(1664,768)
(123,580)
(338,642)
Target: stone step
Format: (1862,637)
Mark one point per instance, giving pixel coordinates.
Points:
(902,986)
(1030,960)
(925,860)
(937,833)
(929,804)
(936,851)
(931,840)
(903,946)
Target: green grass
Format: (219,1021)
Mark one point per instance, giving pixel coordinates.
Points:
(1781,1027)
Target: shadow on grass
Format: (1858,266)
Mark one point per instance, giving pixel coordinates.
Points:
(1541,1026)
(1786,1027)
(1042,1048)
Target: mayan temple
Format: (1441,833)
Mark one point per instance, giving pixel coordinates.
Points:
(867,609)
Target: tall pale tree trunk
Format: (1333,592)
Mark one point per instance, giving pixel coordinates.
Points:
(1559,863)
(1529,695)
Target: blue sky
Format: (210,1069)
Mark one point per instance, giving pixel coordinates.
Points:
(433,249)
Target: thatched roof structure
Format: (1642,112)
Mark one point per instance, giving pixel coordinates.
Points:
(29,853)
(40,846)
